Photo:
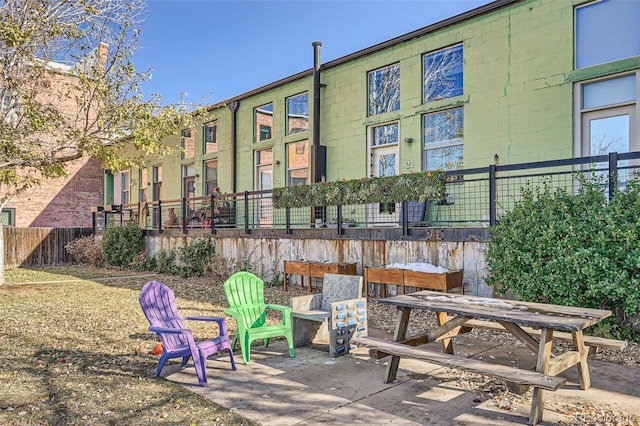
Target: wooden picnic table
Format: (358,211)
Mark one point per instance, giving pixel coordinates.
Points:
(516,317)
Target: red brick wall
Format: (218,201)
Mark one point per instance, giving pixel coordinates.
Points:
(63,203)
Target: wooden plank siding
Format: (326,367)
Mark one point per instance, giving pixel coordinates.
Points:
(35,247)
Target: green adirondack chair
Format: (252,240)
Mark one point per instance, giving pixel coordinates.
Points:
(245,294)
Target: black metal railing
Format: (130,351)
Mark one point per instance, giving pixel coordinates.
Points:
(474,198)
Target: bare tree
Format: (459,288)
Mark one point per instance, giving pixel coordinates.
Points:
(384,90)
(68,90)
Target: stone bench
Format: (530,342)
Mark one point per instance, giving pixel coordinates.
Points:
(331,318)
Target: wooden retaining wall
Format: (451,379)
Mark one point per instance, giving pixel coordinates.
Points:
(29,247)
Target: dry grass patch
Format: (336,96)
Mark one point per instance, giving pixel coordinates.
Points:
(77,352)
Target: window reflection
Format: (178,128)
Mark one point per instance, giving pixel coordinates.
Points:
(607,31)
(210,131)
(443,74)
(188,143)
(298,113)
(263,116)
(443,136)
(385,134)
(384,90)
(298,163)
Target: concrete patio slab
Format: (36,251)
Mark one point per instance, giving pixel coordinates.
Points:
(315,389)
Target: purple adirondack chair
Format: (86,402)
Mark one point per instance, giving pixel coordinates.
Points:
(159,306)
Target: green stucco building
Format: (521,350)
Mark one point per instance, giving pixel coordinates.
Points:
(514,80)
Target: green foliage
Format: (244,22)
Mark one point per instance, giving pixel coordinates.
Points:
(194,255)
(69,91)
(86,250)
(121,244)
(560,248)
(386,189)
(142,263)
(166,262)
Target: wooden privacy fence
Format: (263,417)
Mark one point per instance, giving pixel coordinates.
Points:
(26,247)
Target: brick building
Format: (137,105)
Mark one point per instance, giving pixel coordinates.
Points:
(63,202)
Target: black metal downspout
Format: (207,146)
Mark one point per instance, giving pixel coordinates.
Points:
(318,152)
(233,106)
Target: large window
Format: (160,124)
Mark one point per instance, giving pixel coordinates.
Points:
(263,117)
(606,31)
(443,74)
(298,113)
(443,136)
(157,183)
(144,183)
(157,192)
(210,176)
(210,136)
(124,188)
(189,181)
(187,143)
(384,90)
(609,115)
(298,163)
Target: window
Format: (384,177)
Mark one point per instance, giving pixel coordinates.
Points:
(384,90)
(443,135)
(609,116)
(265,157)
(144,182)
(265,132)
(263,117)
(298,163)
(443,74)
(210,176)
(606,31)
(8,217)
(385,134)
(298,113)
(157,193)
(124,188)
(187,143)
(157,183)
(210,135)
(189,181)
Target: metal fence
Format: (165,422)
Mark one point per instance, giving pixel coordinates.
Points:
(474,198)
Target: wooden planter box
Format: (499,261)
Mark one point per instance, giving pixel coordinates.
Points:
(406,278)
(315,270)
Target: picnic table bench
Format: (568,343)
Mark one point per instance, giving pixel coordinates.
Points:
(535,324)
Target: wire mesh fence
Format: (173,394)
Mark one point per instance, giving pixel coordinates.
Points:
(472,198)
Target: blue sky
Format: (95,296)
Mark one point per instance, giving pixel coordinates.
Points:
(213,50)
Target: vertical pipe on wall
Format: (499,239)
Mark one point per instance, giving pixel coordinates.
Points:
(317,160)
(233,106)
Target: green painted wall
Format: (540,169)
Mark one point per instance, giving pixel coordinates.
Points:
(518,101)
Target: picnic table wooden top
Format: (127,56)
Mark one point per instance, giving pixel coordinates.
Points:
(557,317)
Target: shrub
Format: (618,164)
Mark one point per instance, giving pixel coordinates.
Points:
(559,248)
(219,268)
(194,255)
(121,244)
(142,263)
(86,250)
(166,262)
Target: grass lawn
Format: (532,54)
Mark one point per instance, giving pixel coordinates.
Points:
(76,351)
